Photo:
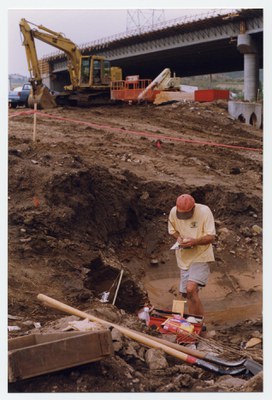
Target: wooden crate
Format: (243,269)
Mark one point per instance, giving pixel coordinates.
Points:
(39,354)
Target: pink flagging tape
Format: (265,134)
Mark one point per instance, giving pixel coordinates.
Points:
(139,133)
(16,114)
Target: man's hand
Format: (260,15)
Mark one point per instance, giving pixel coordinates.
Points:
(179,240)
(203,241)
(188,242)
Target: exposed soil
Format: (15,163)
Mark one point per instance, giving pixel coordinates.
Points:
(87,200)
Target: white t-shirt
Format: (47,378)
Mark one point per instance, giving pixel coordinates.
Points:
(201,224)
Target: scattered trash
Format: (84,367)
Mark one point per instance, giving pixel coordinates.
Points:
(85,325)
(191,346)
(144,315)
(13,328)
(252,342)
(14,317)
(177,326)
(37,325)
(192,320)
(105,297)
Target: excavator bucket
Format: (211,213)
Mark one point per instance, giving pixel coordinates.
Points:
(43,98)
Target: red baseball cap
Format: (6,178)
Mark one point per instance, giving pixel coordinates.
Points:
(185,206)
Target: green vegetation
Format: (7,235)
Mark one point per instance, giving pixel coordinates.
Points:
(232,81)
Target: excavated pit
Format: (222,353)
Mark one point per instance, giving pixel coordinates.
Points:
(113,223)
(119,212)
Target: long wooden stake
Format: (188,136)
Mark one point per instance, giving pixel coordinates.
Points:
(117,289)
(35,122)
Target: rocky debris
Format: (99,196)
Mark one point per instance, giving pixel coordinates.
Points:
(255,384)
(155,359)
(137,368)
(182,381)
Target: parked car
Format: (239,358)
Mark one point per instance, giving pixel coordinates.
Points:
(19,96)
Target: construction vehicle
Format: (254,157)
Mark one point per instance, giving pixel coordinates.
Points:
(129,89)
(90,75)
(136,90)
(163,81)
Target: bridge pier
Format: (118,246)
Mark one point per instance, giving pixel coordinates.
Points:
(251,66)
(249,111)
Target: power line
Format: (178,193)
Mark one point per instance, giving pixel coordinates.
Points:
(144,19)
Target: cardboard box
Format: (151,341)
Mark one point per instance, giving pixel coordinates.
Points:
(178,306)
(39,354)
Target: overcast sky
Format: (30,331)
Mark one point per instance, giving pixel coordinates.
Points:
(80,26)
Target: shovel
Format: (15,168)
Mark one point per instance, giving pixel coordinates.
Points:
(246,364)
(250,365)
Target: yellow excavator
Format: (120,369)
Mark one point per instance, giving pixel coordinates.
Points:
(90,75)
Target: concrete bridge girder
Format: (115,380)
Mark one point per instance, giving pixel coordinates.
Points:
(207,49)
(172,42)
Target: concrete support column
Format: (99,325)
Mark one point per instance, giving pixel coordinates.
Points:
(251,77)
(251,66)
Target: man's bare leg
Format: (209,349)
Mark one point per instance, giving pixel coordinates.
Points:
(194,304)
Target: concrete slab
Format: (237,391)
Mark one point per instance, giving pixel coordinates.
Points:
(250,113)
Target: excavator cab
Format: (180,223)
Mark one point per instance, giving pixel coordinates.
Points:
(94,72)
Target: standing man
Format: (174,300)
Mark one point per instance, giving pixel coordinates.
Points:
(193,227)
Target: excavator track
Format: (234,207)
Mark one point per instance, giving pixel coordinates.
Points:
(83,99)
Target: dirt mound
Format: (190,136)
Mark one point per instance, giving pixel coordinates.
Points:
(89,200)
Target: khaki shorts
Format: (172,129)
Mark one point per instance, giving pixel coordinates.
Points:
(198,272)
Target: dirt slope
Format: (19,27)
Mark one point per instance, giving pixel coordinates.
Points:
(92,195)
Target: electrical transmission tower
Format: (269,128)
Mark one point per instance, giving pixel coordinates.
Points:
(143,20)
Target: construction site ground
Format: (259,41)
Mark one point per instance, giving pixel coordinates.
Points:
(90,196)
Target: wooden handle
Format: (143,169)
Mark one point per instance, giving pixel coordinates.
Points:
(144,339)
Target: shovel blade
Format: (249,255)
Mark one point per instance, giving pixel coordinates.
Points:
(253,366)
(220,369)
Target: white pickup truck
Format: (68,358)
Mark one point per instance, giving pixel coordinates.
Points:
(19,96)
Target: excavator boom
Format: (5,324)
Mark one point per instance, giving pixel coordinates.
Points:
(58,40)
(40,93)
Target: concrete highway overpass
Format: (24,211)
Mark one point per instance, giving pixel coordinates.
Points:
(188,48)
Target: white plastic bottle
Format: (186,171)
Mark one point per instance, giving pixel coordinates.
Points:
(144,315)
(147,316)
